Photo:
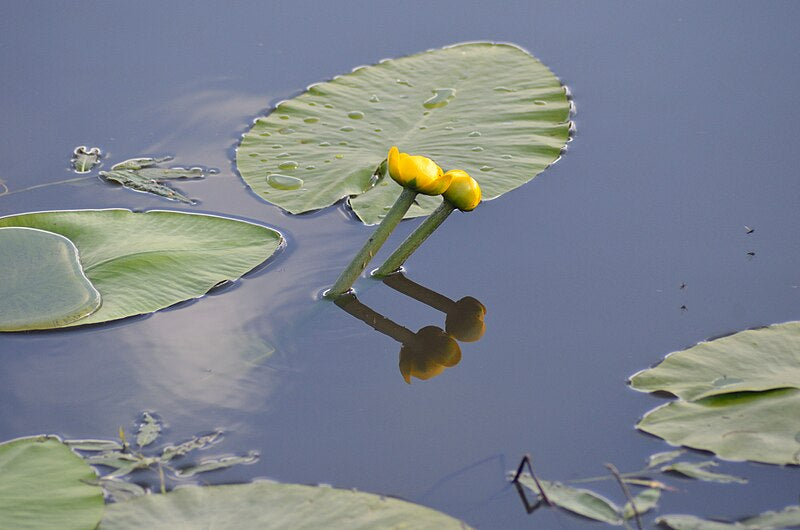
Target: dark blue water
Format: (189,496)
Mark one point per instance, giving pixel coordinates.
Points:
(688,121)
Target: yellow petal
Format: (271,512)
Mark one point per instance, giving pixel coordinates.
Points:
(394,162)
(463,192)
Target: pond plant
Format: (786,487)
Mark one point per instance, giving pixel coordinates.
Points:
(491,110)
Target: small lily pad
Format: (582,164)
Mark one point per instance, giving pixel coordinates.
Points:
(43,285)
(84,159)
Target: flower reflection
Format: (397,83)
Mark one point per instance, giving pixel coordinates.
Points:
(428,352)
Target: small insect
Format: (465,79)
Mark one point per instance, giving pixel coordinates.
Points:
(683,285)
(684,308)
(748,229)
(751,253)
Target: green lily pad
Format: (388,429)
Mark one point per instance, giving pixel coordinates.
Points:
(492,110)
(757,426)
(576,500)
(752,360)
(738,394)
(43,285)
(143,262)
(789,517)
(43,484)
(271,505)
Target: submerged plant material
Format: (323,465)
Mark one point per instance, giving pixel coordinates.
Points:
(43,285)
(45,485)
(85,159)
(442,103)
(140,174)
(587,503)
(143,262)
(122,460)
(736,394)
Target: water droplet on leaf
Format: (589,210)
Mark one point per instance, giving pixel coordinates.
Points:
(289,164)
(355,115)
(284,182)
(474,134)
(441,97)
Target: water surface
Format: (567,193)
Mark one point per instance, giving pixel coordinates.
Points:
(687,114)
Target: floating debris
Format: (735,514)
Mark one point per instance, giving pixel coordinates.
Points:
(84,159)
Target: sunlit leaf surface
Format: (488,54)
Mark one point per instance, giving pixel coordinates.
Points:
(492,110)
(44,485)
(758,359)
(757,426)
(42,284)
(271,505)
(142,262)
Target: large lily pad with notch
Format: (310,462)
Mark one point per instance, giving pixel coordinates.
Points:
(492,110)
(43,484)
(271,505)
(757,426)
(142,262)
(752,360)
(42,285)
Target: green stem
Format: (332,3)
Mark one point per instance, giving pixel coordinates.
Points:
(412,242)
(373,244)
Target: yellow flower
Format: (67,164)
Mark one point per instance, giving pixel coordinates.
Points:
(463,192)
(418,173)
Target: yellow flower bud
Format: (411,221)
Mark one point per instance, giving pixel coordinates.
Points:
(463,192)
(419,173)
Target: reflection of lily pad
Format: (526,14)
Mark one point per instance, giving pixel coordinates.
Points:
(42,285)
(490,109)
(142,262)
(756,359)
(271,505)
(43,484)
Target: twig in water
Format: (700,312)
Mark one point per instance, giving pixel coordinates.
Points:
(627,492)
(527,460)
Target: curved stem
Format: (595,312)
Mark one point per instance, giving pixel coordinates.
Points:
(412,242)
(349,275)
(374,319)
(5,191)
(401,284)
